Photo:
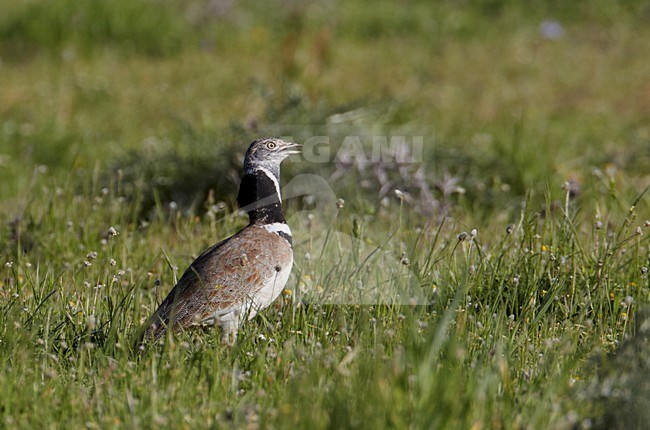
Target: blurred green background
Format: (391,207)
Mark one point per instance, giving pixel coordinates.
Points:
(511,97)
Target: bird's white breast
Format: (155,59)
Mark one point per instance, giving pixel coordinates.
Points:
(270,290)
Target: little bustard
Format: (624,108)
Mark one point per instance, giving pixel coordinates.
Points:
(244,273)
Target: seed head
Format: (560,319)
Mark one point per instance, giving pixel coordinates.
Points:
(91,322)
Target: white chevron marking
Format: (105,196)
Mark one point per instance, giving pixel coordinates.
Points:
(277,227)
(271,176)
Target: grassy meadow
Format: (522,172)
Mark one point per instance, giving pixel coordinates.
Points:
(494,277)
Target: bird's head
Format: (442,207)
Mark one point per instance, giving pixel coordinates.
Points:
(268,153)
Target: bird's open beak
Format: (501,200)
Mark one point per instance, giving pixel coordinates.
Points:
(292,148)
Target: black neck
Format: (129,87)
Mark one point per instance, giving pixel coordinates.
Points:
(259,197)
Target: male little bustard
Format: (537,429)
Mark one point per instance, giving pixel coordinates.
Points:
(245,273)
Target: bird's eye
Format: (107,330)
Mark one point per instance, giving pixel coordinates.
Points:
(270,145)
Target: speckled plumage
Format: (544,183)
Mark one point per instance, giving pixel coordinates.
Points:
(224,283)
(245,273)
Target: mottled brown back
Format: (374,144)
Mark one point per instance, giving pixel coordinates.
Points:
(224,276)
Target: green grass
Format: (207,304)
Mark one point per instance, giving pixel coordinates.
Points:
(536,321)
